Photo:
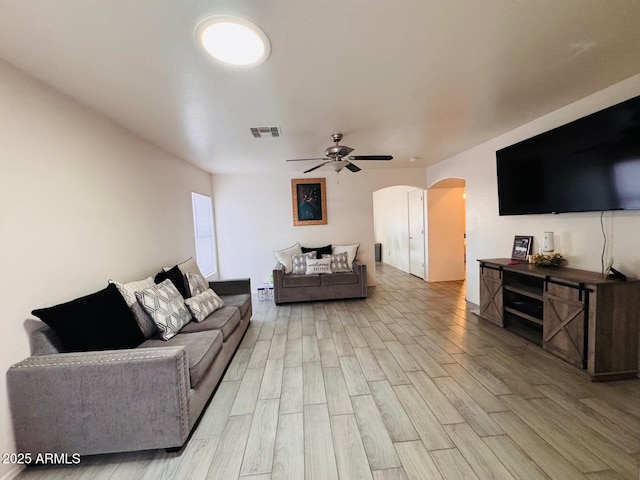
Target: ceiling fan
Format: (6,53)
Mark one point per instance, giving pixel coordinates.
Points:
(335,154)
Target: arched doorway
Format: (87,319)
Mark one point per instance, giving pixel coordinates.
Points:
(446,238)
(442,206)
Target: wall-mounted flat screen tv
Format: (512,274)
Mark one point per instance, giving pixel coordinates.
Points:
(591,164)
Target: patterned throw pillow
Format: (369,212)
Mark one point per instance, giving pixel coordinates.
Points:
(128,291)
(321,265)
(166,307)
(352,251)
(300,262)
(197,283)
(339,262)
(204,304)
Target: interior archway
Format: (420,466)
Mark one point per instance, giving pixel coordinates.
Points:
(444,228)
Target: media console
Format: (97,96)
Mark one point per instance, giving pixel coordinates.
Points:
(585,318)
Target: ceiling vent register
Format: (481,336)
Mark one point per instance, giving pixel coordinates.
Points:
(259,132)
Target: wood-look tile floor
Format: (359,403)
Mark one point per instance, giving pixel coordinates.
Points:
(407,384)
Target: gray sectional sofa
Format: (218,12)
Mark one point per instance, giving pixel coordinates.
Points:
(288,288)
(130,399)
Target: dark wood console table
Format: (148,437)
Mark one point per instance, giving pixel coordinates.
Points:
(585,318)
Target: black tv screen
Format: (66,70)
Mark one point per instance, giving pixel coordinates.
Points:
(591,164)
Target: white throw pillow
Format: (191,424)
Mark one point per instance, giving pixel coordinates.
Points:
(351,250)
(190,265)
(285,257)
(128,291)
(204,304)
(320,265)
(166,307)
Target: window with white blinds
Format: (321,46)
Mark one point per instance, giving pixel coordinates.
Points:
(204,233)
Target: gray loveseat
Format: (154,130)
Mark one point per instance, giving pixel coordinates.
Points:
(288,288)
(141,398)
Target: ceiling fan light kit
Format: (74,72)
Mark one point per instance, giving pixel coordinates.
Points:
(335,157)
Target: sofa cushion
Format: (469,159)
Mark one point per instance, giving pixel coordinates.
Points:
(225,319)
(339,279)
(202,348)
(166,307)
(43,340)
(203,304)
(301,280)
(128,291)
(99,321)
(241,300)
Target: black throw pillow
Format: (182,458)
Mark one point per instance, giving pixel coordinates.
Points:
(321,250)
(99,321)
(177,278)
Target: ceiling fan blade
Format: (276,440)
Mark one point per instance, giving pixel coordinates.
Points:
(305,159)
(317,166)
(344,151)
(354,168)
(371,157)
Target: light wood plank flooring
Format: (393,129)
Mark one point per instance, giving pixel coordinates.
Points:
(407,384)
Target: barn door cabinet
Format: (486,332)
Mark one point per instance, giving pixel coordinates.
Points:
(585,318)
(491,294)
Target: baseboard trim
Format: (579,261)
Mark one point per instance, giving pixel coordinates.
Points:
(13,473)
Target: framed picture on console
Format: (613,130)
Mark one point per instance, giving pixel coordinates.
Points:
(309,201)
(522,245)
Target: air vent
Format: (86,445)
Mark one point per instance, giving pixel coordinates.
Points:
(259,132)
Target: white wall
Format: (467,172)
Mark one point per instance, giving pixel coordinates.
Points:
(391,225)
(446,220)
(254,217)
(81,201)
(577,235)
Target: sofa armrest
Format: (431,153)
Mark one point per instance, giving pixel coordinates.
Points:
(100,402)
(360,268)
(234,286)
(278,276)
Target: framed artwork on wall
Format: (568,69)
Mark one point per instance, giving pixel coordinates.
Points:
(522,245)
(309,201)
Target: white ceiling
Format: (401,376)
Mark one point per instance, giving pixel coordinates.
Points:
(410,78)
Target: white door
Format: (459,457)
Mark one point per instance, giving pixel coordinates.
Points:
(416,233)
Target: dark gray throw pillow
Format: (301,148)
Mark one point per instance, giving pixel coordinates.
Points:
(99,321)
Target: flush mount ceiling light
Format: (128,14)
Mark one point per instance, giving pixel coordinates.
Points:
(233,40)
